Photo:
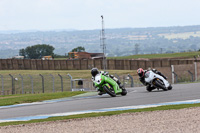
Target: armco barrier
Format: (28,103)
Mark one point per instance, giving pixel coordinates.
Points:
(30,64)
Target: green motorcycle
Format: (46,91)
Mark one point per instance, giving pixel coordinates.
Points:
(105,84)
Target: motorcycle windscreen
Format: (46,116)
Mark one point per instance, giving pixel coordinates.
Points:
(149,76)
(98,78)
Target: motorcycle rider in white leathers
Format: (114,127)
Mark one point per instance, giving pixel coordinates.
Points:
(141,74)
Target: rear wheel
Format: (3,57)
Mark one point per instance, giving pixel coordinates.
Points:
(110,91)
(159,84)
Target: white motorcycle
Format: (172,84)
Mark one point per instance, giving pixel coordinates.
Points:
(156,81)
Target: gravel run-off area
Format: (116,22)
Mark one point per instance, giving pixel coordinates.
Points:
(168,121)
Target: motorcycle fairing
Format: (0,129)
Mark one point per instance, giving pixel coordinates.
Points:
(150,76)
(102,80)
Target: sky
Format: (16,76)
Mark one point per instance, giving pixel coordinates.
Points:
(86,14)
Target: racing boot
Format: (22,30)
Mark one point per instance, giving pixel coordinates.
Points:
(120,85)
(117,81)
(159,73)
(101,92)
(111,76)
(162,75)
(149,88)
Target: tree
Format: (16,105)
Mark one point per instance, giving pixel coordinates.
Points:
(78,49)
(37,51)
(22,52)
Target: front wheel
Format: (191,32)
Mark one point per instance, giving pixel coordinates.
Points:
(110,91)
(170,87)
(124,92)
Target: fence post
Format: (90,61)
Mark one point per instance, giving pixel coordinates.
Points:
(191,75)
(2,84)
(176,76)
(22,83)
(31,82)
(195,68)
(132,83)
(61,78)
(70,80)
(13,84)
(53,82)
(42,82)
(124,81)
(172,66)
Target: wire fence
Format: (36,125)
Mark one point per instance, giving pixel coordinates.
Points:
(129,81)
(185,73)
(31,84)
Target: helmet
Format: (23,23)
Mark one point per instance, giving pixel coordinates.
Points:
(94,72)
(140,72)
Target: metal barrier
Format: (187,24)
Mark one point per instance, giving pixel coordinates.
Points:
(53,80)
(176,76)
(61,79)
(70,80)
(117,76)
(184,77)
(42,82)
(13,84)
(2,81)
(78,85)
(128,81)
(132,83)
(30,84)
(192,75)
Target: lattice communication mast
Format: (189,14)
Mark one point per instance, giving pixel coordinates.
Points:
(103,45)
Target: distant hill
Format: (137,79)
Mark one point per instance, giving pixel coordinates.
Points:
(120,42)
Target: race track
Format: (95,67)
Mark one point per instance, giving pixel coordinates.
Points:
(135,96)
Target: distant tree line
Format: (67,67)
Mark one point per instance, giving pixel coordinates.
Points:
(119,42)
(40,50)
(37,51)
(78,49)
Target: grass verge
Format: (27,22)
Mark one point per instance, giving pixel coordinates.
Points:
(29,98)
(152,56)
(168,107)
(84,74)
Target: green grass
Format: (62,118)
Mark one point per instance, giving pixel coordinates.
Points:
(168,107)
(60,58)
(84,74)
(29,98)
(151,56)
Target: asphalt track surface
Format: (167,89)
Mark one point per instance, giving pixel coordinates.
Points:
(135,96)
